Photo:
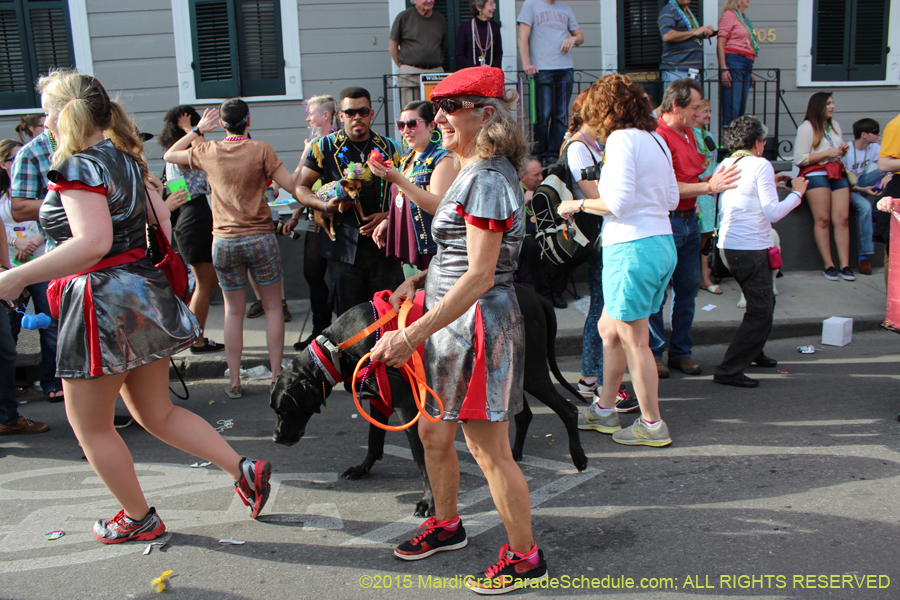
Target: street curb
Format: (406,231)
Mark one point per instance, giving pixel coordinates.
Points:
(568,343)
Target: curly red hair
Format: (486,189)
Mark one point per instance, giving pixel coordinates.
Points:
(616,102)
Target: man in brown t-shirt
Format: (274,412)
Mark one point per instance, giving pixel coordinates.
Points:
(418,43)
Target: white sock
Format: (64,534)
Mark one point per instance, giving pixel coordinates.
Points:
(599,411)
(654,425)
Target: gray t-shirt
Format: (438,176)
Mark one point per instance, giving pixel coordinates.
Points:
(550,25)
(423,40)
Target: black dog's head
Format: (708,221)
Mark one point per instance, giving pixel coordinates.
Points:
(297,396)
(300,390)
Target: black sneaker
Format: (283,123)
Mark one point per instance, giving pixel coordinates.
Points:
(123,529)
(831,274)
(208,347)
(510,573)
(847,274)
(625,403)
(255,310)
(434,539)
(254,487)
(284,310)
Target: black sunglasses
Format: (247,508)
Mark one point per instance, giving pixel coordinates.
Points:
(450,106)
(352,112)
(411,124)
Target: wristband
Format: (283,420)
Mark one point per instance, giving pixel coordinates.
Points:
(292,219)
(7,269)
(581,205)
(406,339)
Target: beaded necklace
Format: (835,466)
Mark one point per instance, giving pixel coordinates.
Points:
(748,25)
(52,140)
(742,153)
(477,42)
(236,138)
(688,18)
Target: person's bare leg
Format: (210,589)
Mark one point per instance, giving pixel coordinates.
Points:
(205,284)
(89,407)
(235,307)
(146,394)
(614,361)
(820,204)
(635,337)
(489,444)
(705,271)
(442,465)
(840,220)
(270,296)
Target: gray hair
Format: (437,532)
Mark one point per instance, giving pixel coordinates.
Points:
(679,94)
(501,135)
(744,132)
(526,162)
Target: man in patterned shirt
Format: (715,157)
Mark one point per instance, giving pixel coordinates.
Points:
(29,177)
(358,268)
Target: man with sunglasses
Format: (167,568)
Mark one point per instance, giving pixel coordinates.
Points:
(861,163)
(358,268)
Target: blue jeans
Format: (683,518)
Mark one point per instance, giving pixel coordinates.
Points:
(861,213)
(685,285)
(49,381)
(554,88)
(734,98)
(591,344)
(9,408)
(670,76)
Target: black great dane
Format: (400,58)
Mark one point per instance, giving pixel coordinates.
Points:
(302,388)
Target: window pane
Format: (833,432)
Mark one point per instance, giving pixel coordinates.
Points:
(13,75)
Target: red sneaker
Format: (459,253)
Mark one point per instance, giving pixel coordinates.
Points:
(124,529)
(434,539)
(511,573)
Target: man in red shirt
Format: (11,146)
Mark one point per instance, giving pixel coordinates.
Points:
(680,101)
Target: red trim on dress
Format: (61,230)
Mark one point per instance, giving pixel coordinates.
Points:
(473,405)
(63,185)
(486,224)
(93,334)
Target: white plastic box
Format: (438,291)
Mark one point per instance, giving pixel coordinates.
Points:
(837,331)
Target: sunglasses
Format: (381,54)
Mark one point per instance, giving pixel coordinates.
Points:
(363,112)
(451,106)
(411,124)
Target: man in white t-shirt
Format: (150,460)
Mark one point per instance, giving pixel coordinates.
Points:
(861,160)
(548,31)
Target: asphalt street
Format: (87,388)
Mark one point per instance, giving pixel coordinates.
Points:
(786,491)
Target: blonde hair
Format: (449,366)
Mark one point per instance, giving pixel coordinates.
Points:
(501,135)
(731,5)
(330,104)
(83,107)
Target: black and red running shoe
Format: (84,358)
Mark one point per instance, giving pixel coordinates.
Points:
(253,486)
(511,573)
(434,539)
(625,403)
(124,529)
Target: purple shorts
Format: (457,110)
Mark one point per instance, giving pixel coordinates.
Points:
(232,257)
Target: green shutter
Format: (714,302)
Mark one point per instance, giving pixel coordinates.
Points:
(48,29)
(216,72)
(831,38)
(868,56)
(262,50)
(16,80)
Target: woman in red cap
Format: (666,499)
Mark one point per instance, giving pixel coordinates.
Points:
(473,331)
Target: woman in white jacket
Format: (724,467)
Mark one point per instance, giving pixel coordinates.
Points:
(746,216)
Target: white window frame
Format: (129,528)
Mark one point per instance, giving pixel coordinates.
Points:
(805,14)
(81,44)
(184,55)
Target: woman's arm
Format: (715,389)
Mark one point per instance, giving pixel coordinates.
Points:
(721,40)
(441,179)
(92,237)
(767,192)
(483,247)
(177,154)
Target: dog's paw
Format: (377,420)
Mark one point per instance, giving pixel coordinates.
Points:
(424,509)
(742,303)
(579,458)
(774,290)
(354,473)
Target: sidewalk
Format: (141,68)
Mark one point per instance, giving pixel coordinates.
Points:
(805,299)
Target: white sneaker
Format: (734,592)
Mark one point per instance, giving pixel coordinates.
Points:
(586,389)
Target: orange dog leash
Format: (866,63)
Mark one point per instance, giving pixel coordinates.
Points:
(415,375)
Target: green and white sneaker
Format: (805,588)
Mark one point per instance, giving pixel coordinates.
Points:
(641,434)
(589,420)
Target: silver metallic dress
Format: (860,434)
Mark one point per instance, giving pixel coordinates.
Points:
(138,318)
(476,363)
